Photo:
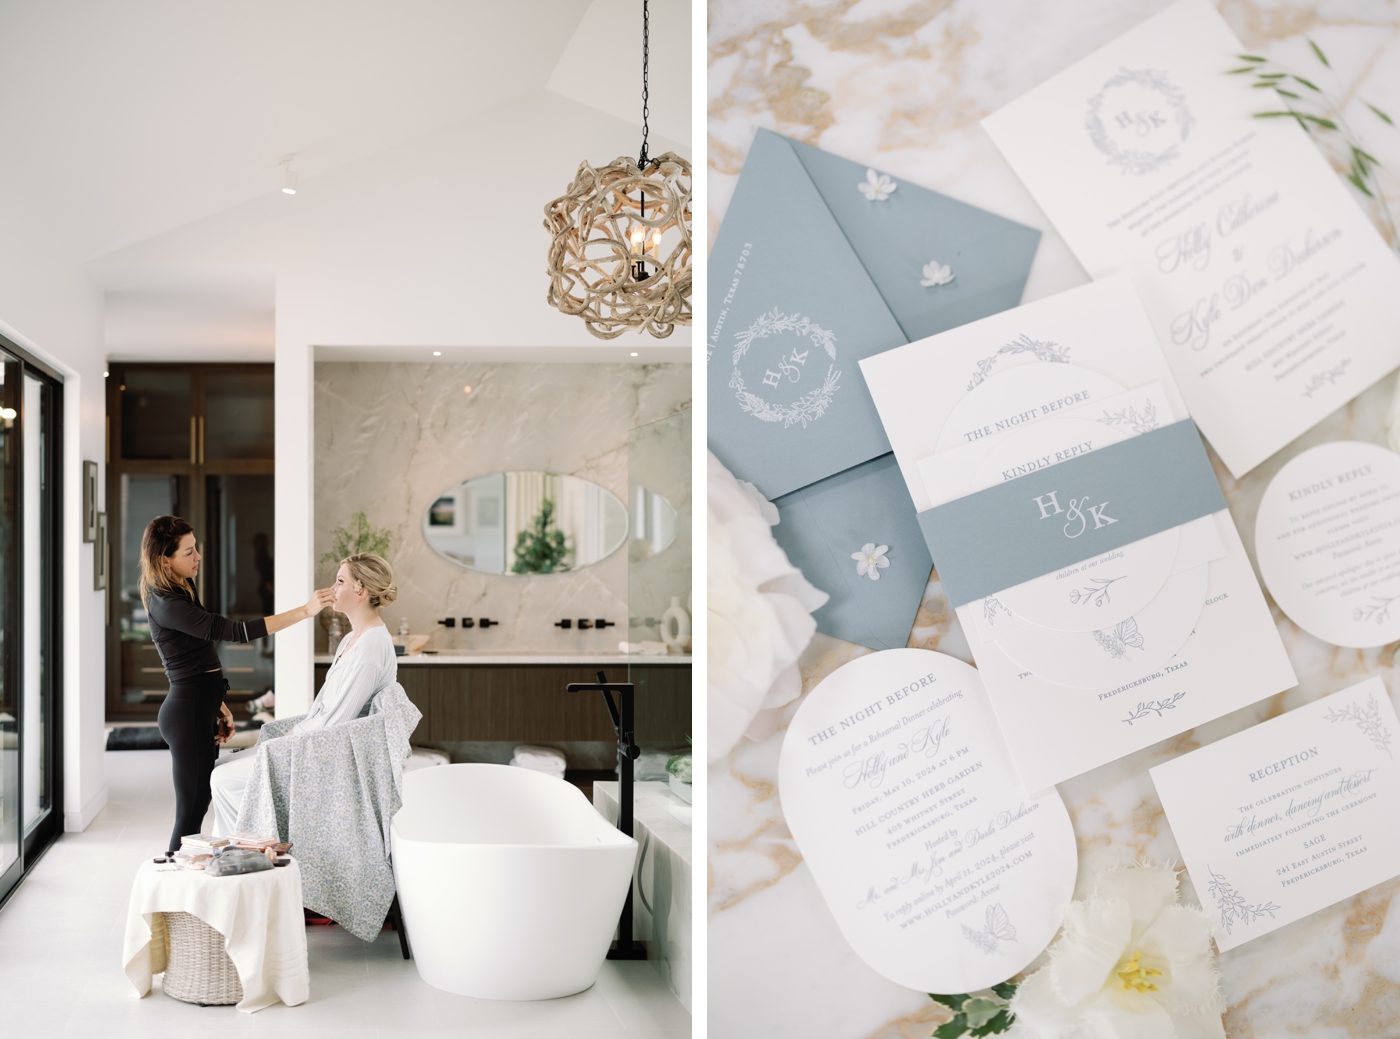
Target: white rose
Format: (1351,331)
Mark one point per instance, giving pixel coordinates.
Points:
(759,612)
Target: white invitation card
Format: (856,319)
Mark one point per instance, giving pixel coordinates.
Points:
(1091,660)
(1328,542)
(1275,299)
(1290,816)
(943,873)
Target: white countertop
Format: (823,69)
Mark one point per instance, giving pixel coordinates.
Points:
(526,658)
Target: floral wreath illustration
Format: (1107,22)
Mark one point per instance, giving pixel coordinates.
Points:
(1132,160)
(810,406)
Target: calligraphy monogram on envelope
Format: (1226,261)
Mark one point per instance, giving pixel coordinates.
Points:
(818,264)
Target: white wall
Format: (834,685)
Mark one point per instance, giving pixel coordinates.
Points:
(50,307)
(439,243)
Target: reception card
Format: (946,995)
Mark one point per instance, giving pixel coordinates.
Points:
(1273,296)
(1290,816)
(942,872)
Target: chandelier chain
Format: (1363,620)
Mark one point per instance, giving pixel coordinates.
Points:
(642,159)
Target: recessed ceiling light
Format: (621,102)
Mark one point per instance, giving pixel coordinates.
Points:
(466,389)
(437,353)
(634,353)
(104,375)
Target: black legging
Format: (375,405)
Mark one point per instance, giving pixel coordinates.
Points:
(189,721)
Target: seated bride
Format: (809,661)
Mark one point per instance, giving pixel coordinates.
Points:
(364,665)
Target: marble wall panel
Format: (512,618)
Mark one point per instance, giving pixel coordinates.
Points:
(391,437)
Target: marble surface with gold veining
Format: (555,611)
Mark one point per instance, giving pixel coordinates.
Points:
(902,85)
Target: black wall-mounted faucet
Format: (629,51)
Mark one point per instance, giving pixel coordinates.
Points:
(600,624)
(467,622)
(448,622)
(566,624)
(486,622)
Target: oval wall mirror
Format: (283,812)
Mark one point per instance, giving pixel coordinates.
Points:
(653,523)
(519,523)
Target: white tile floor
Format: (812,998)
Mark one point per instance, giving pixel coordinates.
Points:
(61,943)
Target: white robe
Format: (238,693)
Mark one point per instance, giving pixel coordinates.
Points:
(356,674)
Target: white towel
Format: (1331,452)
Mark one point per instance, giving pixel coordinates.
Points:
(542,759)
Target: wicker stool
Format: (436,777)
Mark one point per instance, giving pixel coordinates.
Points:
(197,968)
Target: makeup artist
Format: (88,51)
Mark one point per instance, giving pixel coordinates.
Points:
(194,720)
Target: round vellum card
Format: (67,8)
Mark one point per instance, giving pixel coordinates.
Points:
(1328,542)
(942,873)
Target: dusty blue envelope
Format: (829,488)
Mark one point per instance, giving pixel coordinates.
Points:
(809,274)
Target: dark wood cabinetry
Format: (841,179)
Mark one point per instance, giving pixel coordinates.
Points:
(192,440)
(525,702)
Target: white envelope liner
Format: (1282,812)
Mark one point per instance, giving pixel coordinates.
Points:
(942,873)
(1028,392)
(1098,592)
(1328,542)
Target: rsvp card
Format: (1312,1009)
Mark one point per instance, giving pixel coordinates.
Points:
(1290,816)
(1273,296)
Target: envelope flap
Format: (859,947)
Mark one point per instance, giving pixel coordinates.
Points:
(792,310)
(822,525)
(895,237)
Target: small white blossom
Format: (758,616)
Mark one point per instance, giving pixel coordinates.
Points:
(936,274)
(877,186)
(870,560)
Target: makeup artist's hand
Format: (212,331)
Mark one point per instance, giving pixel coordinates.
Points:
(225,724)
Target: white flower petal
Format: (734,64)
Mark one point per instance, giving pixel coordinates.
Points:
(759,611)
(880,550)
(1147,889)
(1205,1025)
(868,548)
(873,574)
(1147,1019)
(1094,939)
(872,177)
(857,555)
(1180,938)
(882,562)
(862,566)
(1040,1011)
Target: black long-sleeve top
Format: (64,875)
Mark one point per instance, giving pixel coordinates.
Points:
(185,632)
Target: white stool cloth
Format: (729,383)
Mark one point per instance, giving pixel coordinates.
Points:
(259,915)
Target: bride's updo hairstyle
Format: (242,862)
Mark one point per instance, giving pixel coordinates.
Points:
(374,574)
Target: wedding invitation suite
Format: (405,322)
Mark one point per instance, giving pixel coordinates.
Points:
(819,262)
(1328,542)
(1290,816)
(1273,297)
(1078,529)
(942,872)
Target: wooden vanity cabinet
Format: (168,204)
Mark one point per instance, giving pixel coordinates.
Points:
(524,703)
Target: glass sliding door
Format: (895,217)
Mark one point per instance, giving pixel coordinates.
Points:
(11,661)
(30,583)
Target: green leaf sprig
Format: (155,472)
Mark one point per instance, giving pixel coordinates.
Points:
(977,1014)
(1321,116)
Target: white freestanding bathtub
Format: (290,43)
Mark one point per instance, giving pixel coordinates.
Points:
(510,882)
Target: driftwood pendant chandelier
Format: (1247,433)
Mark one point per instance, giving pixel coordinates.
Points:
(619,252)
